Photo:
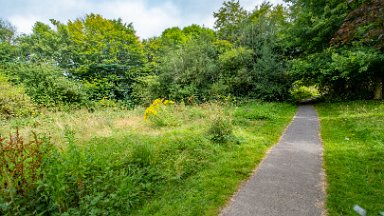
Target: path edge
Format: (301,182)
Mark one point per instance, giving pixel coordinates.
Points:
(324,179)
(256,169)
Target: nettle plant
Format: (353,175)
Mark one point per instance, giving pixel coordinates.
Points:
(159,114)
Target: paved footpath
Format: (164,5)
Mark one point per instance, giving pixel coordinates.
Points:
(289,181)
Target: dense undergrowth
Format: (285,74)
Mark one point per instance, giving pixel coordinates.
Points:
(112,162)
(354,150)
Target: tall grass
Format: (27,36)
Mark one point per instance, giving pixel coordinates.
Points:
(141,169)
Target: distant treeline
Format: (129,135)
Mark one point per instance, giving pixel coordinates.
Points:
(336,46)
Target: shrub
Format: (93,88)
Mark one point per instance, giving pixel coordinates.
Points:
(46,84)
(221,129)
(13,101)
(146,89)
(158,113)
(301,92)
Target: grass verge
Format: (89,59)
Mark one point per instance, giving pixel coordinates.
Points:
(353,139)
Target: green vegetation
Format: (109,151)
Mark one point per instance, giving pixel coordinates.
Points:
(263,53)
(82,87)
(353,139)
(13,101)
(301,92)
(114,162)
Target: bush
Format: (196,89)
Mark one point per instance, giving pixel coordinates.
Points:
(159,114)
(46,84)
(301,92)
(146,89)
(221,129)
(13,101)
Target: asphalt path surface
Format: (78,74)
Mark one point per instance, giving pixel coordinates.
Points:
(290,180)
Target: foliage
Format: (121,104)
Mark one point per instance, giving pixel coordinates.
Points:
(261,72)
(229,19)
(46,84)
(235,65)
(13,100)
(221,129)
(342,73)
(7,35)
(146,89)
(115,56)
(190,71)
(337,46)
(7,31)
(363,24)
(314,24)
(301,92)
(258,54)
(143,170)
(104,54)
(21,170)
(157,113)
(248,67)
(353,142)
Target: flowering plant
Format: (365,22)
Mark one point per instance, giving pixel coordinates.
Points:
(157,113)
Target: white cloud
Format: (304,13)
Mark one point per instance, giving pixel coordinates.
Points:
(23,24)
(251,4)
(148,21)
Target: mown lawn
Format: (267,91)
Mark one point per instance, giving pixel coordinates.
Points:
(353,136)
(113,162)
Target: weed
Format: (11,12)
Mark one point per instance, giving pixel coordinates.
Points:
(140,170)
(159,114)
(21,165)
(221,129)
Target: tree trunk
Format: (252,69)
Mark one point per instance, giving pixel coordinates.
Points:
(378,92)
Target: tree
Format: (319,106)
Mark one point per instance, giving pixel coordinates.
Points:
(189,71)
(254,66)
(7,31)
(46,84)
(314,24)
(7,35)
(104,54)
(40,46)
(229,19)
(337,45)
(365,25)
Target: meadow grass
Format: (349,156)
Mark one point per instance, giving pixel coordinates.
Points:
(353,138)
(113,162)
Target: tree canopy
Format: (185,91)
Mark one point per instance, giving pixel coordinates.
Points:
(336,46)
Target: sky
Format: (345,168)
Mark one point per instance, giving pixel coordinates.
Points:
(149,17)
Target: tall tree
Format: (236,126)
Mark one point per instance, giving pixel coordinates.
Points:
(106,55)
(229,19)
(314,23)
(365,25)
(7,31)
(347,70)
(7,35)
